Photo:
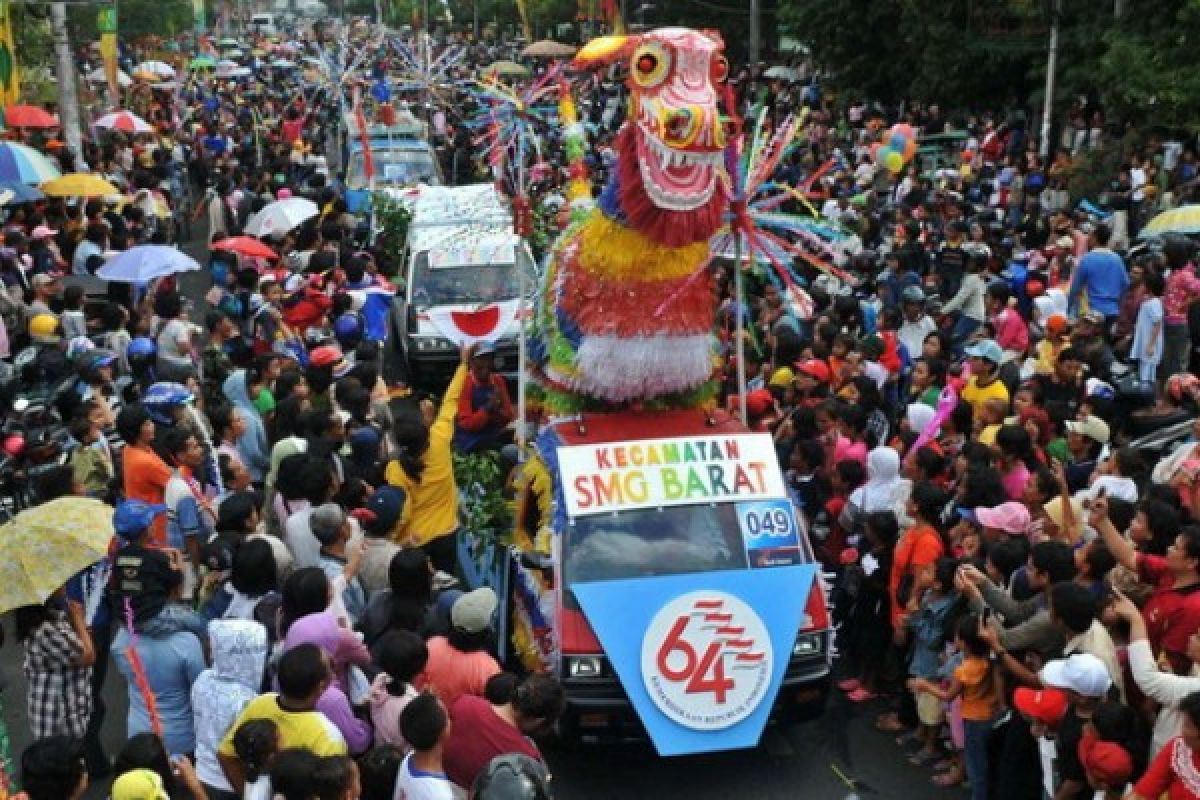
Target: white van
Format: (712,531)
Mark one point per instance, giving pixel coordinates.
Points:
(461,253)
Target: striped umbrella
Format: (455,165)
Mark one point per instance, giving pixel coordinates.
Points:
(20,163)
(1185,219)
(125,121)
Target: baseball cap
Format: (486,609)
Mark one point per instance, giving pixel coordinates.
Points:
(42,231)
(782,378)
(472,612)
(759,402)
(1105,762)
(1090,426)
(1082,673)
(1056,323)
(986,349)
(484,349)
(131,517)
(1047,706)
(814,368)
(325,356)
(138,784)
(1011,517)
(326,522)
(385,505)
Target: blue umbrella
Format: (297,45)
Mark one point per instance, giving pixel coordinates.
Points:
(146,262)
(21,193)
(20,163)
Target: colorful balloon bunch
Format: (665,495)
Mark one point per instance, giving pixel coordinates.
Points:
(896,148)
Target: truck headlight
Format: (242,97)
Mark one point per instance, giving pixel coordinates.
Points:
(807,644)
(585,666)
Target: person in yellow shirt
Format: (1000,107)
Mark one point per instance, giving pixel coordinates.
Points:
(304,673)
(1054,343)
(984,384)
(424,469)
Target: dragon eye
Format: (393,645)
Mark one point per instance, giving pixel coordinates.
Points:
(651,63)
(720,69)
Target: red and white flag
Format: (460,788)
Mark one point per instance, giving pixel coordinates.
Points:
(483,324)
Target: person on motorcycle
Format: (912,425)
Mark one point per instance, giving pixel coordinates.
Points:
(142,357)
(45,361)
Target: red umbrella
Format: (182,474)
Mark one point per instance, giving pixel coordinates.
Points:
(29,117)
(245,246)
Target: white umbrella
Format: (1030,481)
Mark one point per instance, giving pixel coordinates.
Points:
(125,121)
(782,73)
(97,76)
(146,262)
(283,63)
(159,69)
(281,216)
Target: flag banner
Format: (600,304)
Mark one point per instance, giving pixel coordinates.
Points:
(10,80)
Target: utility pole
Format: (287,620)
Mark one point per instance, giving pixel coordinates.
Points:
(755,31)
(68,98)
(1051,68)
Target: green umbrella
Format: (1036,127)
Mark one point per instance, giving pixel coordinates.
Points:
(203,62)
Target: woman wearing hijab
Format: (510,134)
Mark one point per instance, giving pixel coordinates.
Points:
(884,490)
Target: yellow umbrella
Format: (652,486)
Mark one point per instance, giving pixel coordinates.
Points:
(41,548)
(506,69)
(1185,220)
(78,184)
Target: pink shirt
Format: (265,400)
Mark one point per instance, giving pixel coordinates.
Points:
(1182,288)
(453,673)
(1011,332)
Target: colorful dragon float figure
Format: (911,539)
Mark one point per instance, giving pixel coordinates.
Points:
(602,335)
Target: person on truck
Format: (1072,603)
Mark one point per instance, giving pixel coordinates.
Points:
(484,408)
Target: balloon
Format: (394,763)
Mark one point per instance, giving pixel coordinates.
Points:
(894,162)
(968,155)
(881,155)
(965,170)
(910,149)
(897,142)
(905,130)
(875,150)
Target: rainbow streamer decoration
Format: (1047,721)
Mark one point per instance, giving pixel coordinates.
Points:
(510,124)
(579,188)
(139,672)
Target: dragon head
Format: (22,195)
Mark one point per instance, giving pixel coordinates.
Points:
(672,144)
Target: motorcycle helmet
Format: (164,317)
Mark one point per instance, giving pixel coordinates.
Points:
(513,776)
(78,346)
(13,445)
(348,330)
(141,355)
(913,294)
(162,398)
(43,325)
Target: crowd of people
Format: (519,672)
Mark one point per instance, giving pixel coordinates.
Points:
(954,407)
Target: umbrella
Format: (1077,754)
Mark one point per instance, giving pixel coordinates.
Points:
(20,163)
(782,73)
(146,262)
(41,548)
(506,69)
(78,184)
(283,63)
(226,63)
(202,62)
(281,216)
(125,121)
(548,48)
(1185,219)
(227,42)
(29,117)
(157,69)
(97,76)
(20,192)
(245,246)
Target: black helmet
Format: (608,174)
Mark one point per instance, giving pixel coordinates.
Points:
(512,776)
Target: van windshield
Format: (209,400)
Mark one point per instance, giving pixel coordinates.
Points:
(466,284)
(393,167)
(658,541)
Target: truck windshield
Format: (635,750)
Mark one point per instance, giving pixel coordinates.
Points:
(466,284)
(667,541)
(392,168)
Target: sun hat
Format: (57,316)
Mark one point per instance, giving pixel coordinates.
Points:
(472,612)
(1091,427)
(1011,517)
(1082,673)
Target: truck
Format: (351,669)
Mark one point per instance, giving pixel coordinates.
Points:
(401,154)
(659,568)
(461,254)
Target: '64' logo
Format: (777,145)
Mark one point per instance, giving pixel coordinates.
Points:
(706,660)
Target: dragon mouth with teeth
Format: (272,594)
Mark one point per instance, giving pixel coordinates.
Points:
(676,179)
